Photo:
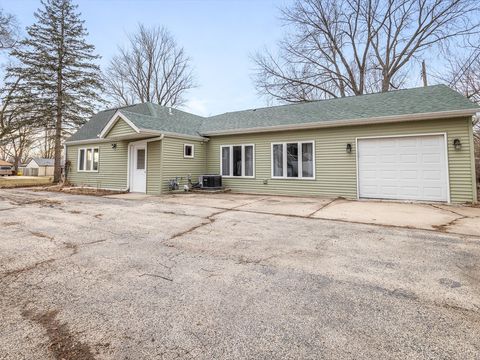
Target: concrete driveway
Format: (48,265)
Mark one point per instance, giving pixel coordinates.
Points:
(456,219)
(232,276)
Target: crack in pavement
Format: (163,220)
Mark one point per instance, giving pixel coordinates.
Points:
(449,210)
(444,227)
(323,206)
(26,268)
(156,275)
(210,220)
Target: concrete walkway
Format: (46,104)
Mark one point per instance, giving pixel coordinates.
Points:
(455,219)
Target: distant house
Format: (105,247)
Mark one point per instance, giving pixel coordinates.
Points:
(39,167)
(21,167)
(6,168)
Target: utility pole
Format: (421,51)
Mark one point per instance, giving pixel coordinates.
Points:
(424,73)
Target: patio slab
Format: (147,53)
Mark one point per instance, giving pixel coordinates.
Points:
(284,205)
(420,216)
(222,201)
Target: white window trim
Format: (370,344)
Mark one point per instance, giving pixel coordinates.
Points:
(231,161)
(193,151)
(300,169)
(85,159)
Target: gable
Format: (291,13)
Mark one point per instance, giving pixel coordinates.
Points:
(32,164)
(121,128)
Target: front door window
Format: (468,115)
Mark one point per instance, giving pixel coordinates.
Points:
(140,159)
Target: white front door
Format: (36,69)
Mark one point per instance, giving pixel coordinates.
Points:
(138,171)
(405,168)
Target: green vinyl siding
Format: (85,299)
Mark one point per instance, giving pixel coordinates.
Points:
(153,167)
(335,169)
(175,165)
(112,166)
(121,128)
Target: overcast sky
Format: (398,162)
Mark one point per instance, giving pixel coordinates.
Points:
(218,35)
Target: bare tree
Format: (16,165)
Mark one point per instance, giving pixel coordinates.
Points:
(152,68)
(351,47)
(18,148)
(462,73)
(9,30)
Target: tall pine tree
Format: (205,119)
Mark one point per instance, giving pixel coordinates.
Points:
(58,67)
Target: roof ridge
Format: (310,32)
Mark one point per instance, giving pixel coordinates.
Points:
(116,108)
(334,99)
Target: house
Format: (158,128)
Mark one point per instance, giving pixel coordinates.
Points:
(21,168)
(6,168)
(39,167)
(413,144)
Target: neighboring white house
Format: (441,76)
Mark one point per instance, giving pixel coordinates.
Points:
(39,167)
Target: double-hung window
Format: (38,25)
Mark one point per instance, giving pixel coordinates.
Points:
(88,159)
(293,160)
(237,160)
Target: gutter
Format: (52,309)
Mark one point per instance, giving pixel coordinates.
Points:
(142,132)
(350,122)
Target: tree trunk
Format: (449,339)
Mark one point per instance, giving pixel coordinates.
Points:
(57,173)
(385,81)
(424,73)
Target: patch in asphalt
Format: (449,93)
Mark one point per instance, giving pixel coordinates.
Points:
(449,283)
(62,344)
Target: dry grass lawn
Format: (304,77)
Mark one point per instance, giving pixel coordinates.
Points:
(21,181)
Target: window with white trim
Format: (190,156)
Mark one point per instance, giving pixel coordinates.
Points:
(293,160)
(237,160)
(88,159)
(188,150)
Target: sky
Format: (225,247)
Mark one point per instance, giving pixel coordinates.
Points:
(219,36)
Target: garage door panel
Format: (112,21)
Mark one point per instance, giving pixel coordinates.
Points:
(406,168)
(388,175)
(408,174)
(409,191)
(408,158)
(432,174)
(431,159)
(432,192)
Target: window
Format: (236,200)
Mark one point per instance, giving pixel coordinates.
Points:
(81,160)
(225,165)
(95,160)
(188,151)
(140,159)
(88,159)
(293,160)
(237,160)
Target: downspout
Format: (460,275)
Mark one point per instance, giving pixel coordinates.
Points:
(65,175)
(129,150)
(161,163)
(472,161)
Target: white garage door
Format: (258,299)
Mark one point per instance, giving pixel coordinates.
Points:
(405,168)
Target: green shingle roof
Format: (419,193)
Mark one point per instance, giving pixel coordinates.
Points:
(145,116)
(431,99)
(400,102)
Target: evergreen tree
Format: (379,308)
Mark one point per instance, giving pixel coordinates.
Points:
(58,68)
